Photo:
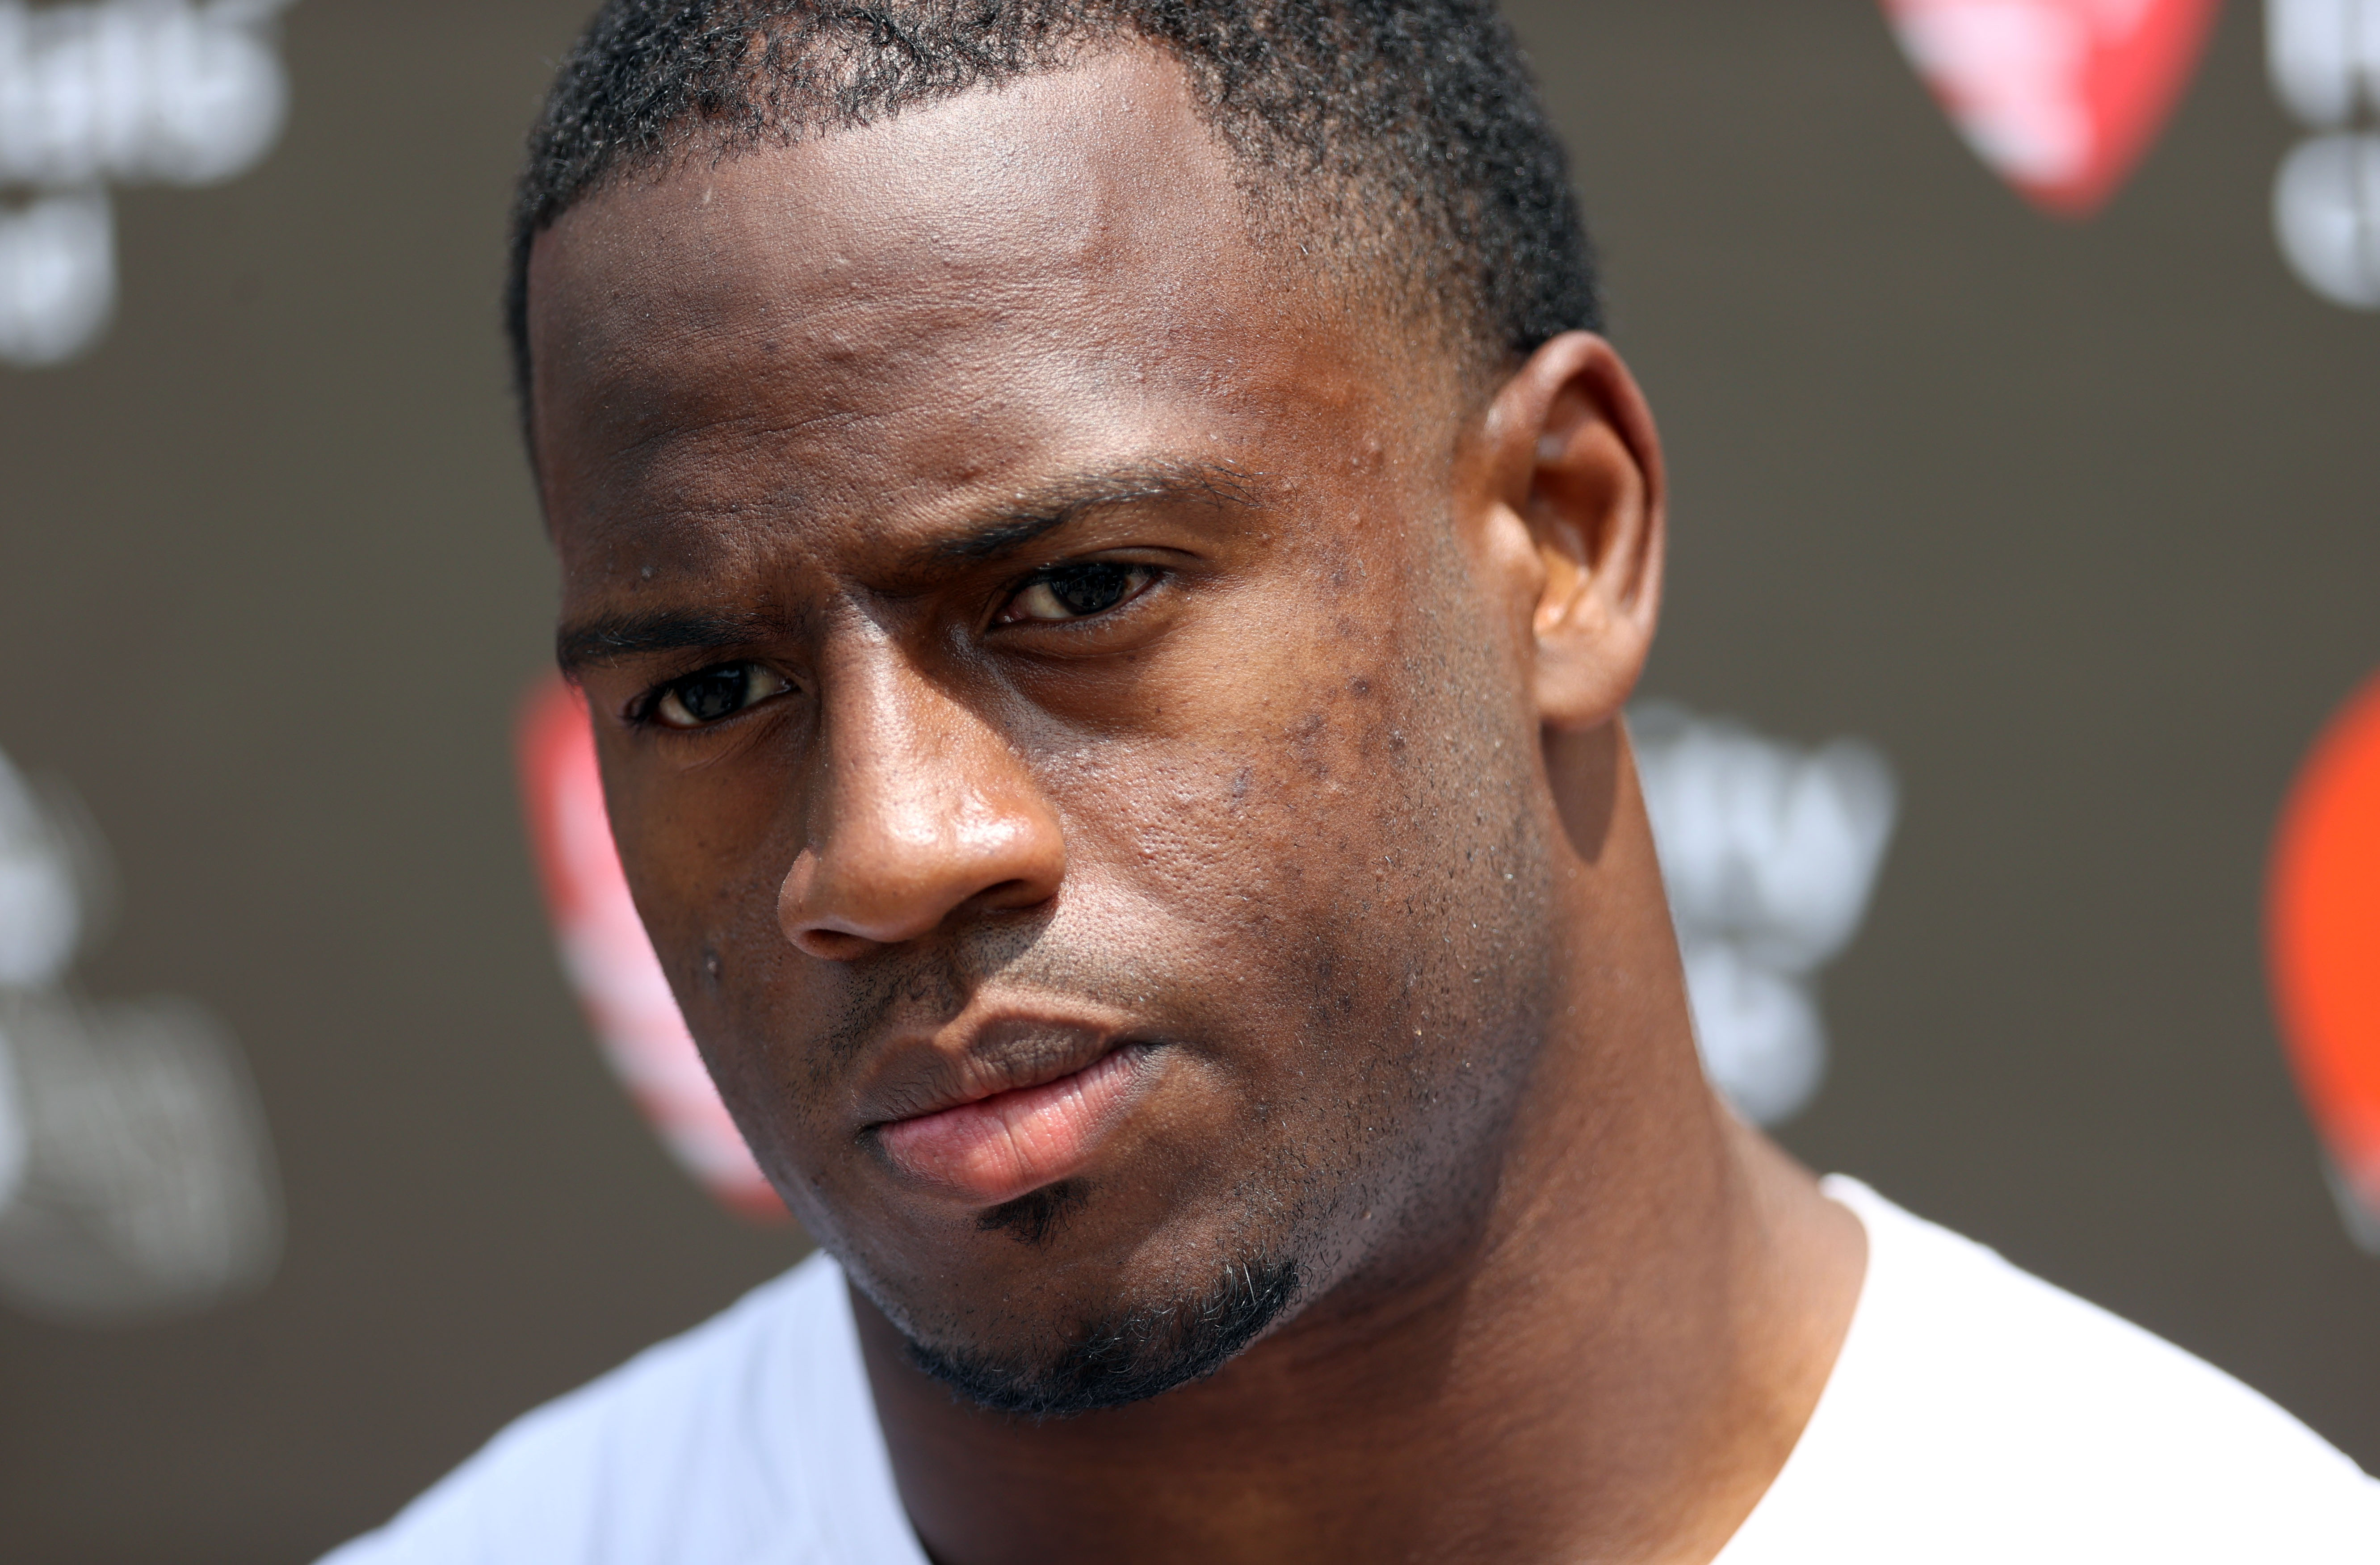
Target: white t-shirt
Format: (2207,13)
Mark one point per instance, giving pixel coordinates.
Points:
(1976,1414)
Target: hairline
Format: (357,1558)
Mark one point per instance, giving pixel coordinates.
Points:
(1460,337)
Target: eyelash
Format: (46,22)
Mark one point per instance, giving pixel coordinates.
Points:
(1133,580)
(646,713)
(1140,580)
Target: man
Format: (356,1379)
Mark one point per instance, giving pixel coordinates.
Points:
(1106,559)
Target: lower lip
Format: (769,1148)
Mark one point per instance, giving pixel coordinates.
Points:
(998,1148)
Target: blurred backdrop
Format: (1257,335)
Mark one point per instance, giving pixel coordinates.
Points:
(2070,523)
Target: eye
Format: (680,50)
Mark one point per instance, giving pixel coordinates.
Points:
(1073,592)
(715,693)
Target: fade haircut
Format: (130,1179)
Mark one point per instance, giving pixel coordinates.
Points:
(1406,134)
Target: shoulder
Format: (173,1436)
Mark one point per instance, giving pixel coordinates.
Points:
(1978,1413)
(719,1445)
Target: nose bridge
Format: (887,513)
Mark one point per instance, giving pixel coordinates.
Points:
(894,741)
(919,808)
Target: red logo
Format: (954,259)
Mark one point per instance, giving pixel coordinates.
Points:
(2321,931)
(610,960)
(2060,97)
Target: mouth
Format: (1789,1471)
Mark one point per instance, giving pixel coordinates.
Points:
(1023,1130)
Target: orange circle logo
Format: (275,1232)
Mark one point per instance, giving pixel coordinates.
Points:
(2323,941)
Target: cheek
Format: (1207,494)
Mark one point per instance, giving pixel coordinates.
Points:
(690,822)
(706,851)
(1276,850)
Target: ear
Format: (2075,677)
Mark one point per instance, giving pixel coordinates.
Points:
(1577,469)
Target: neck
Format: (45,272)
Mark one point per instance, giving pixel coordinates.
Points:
(1614,1368)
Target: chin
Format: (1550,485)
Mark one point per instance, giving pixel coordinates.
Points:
(1085,1296)
(1124,1353)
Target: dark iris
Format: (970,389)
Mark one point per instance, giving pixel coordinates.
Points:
(715,693)
(1091,587)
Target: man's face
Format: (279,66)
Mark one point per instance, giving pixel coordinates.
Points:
(1053,721)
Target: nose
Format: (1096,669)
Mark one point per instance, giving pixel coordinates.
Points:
(921,812)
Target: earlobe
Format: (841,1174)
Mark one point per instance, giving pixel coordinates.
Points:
(1581,464)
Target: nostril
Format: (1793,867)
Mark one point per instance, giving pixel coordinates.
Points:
(881,871)
(833,945)
(828,944)
(1009,896)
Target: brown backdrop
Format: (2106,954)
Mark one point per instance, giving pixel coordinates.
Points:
(2076,522)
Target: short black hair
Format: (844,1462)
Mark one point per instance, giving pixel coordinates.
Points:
(1407,130)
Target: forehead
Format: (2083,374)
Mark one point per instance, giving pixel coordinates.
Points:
(917,314)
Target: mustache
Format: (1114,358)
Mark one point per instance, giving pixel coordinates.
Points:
(923,985)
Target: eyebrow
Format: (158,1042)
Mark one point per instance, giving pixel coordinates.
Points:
(610,639)
(615,637)
(1027,515)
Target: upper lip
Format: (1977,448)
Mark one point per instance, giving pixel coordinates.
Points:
(972,1059)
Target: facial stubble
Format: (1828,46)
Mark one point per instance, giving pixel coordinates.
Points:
(1410,1165)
